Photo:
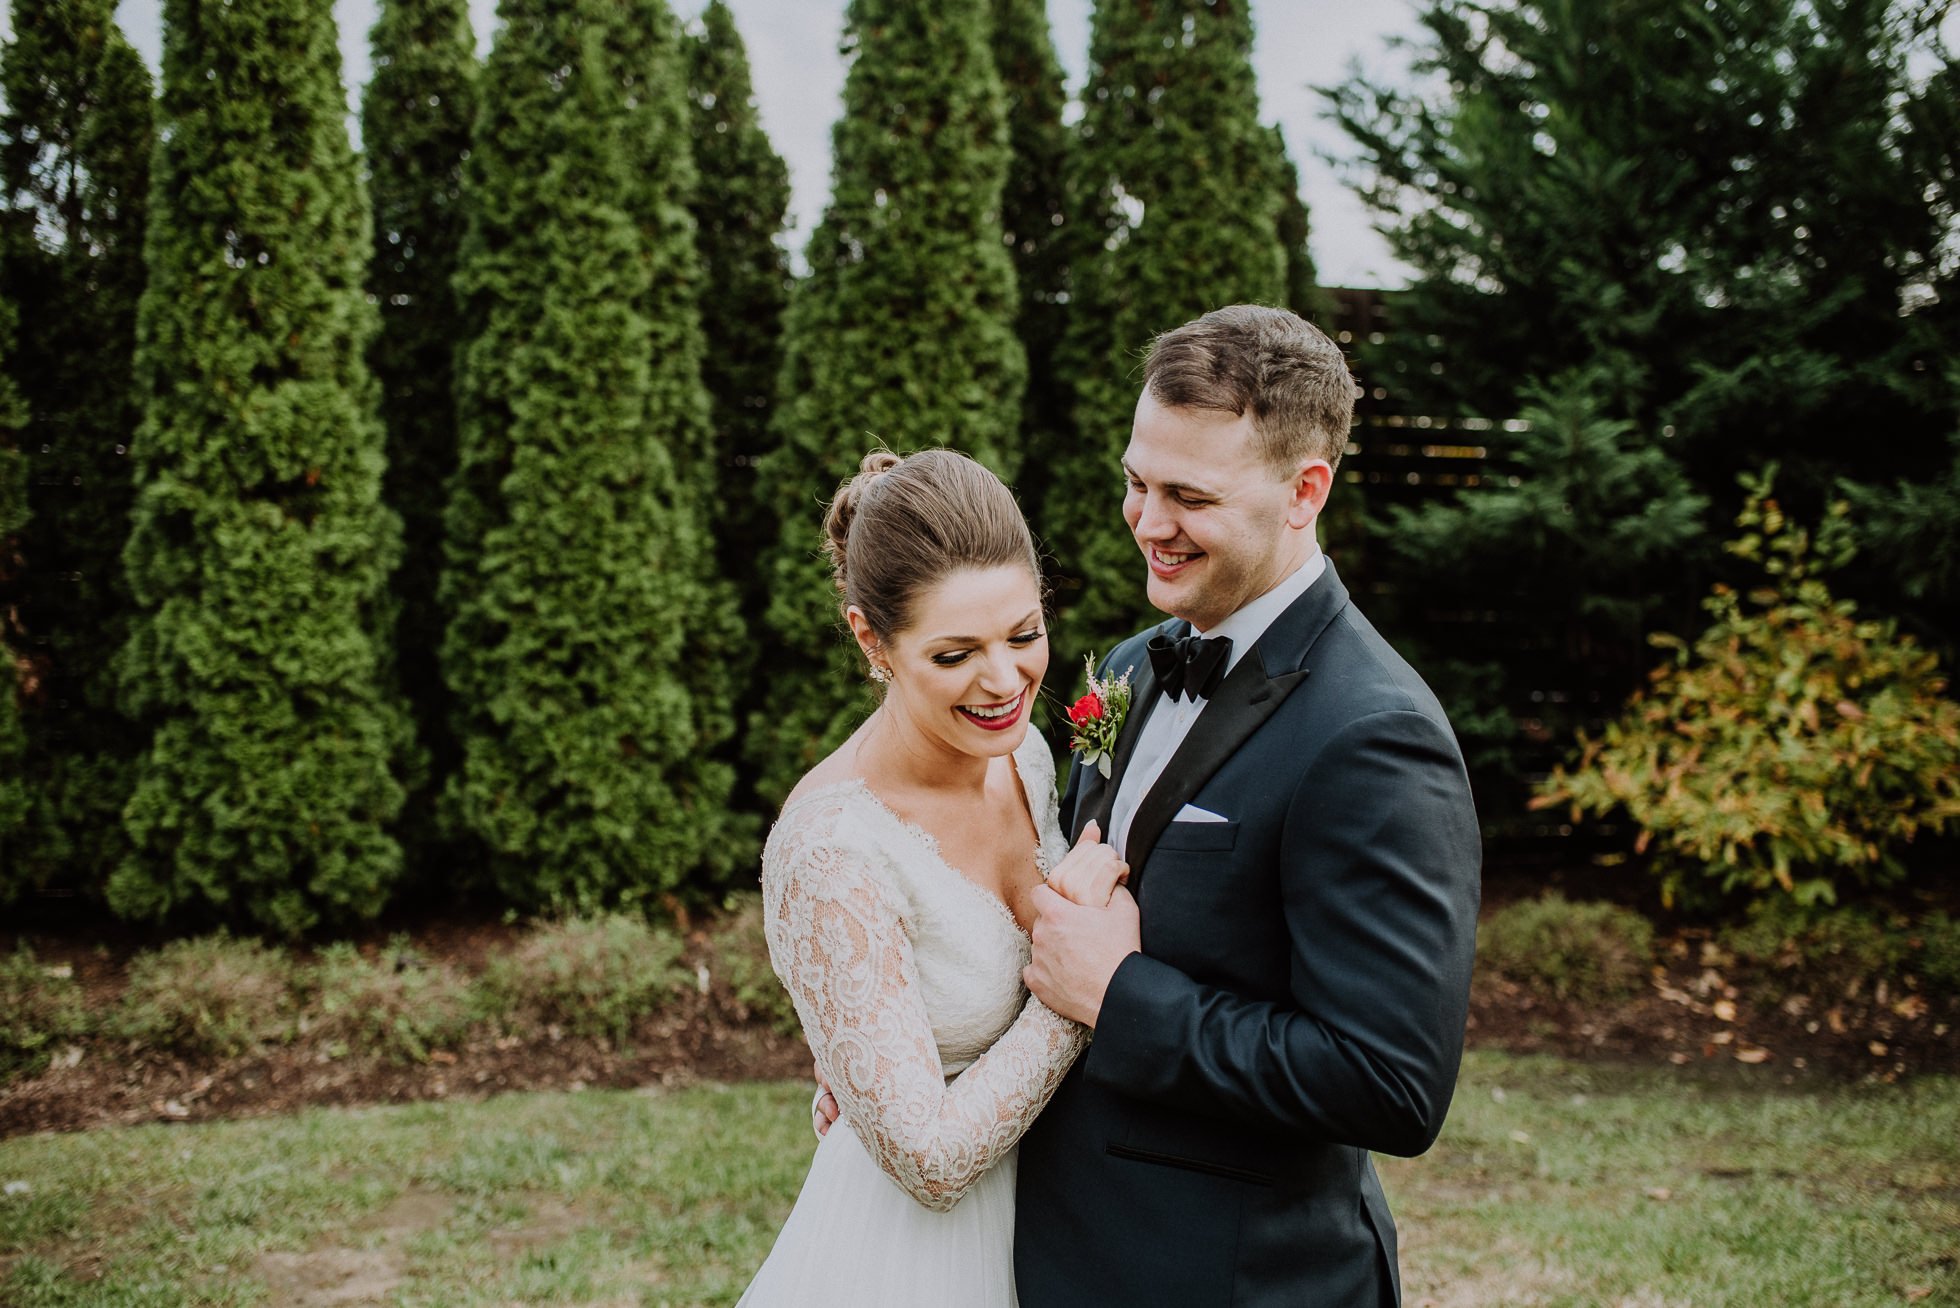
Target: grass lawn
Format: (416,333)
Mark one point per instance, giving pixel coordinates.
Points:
(1554,1184)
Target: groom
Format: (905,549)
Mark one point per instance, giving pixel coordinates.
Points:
(1287,990)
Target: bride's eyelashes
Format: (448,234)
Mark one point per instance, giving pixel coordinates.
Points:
(952,658)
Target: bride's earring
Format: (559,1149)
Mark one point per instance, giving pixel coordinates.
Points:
(881,675)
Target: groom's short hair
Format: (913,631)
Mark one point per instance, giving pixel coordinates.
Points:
(1275,365)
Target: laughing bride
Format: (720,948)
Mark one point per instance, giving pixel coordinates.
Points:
(896,886)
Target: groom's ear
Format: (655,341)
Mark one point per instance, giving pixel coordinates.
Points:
(1312,482)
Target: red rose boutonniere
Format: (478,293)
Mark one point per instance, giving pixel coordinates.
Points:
(1098,718)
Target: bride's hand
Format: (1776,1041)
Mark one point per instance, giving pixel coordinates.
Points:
(1090,872)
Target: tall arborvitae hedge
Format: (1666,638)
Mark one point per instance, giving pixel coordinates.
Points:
(260,545)
(1175,204)
(16,794)
(583,626)
(416,118)
(75,147)
(739,208)
(1293,224)
(903,333)
(1033,211)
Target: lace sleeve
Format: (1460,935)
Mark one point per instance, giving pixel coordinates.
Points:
(837,940)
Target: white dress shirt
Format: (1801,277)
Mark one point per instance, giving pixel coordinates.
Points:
(1171,721)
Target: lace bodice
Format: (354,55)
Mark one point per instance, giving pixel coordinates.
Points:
(907,977)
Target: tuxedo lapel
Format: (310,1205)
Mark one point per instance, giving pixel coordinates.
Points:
(1245,699)
(1099,792)
(1250,693)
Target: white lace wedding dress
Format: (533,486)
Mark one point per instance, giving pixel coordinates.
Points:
(907,977)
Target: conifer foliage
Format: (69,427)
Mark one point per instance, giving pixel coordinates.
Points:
(15,795)
(260,545)
(1175,207)
(416,118)
(75,146)
(902,333)
(584,622)
(738,209)
(1033,213)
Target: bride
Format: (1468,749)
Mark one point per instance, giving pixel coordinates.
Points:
(896,888)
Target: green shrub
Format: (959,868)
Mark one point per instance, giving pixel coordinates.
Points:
(1798,947)
(740,957)
(586,976)
(1588,952)
(1791,747)
(210,996)
(38,1006)
(398,1006)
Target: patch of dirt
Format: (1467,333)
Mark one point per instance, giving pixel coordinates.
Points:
(697,1037)
(1693,1012)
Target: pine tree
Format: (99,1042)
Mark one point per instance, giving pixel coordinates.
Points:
(260,546)
(75,148)
(584,622)
(1177,208)
(1735,210)
(416,118)
(902,333)
(1728,215)
(1033,214)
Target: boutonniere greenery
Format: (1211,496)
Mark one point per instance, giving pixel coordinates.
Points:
(1098,718)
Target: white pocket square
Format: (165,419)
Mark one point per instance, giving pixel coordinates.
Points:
(1192,813)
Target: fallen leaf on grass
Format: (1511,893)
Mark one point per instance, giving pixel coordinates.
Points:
(1916,1292)
(1912,1006)
(1660,1192)
(1835,1020)
(1721,1037)
(1678,1058)
(1725,1010)
(1878,1049)
(1752,1054)
(1520,1137)
(441,1056)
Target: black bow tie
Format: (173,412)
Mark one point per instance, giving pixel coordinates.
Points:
(1190,665)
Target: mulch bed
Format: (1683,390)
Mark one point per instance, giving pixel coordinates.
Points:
(1692,1014)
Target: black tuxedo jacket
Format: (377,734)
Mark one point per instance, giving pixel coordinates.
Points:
(1300,996)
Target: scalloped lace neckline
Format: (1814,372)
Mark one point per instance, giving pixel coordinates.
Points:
(931,842)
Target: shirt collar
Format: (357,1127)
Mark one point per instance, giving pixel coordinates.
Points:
(1246,626)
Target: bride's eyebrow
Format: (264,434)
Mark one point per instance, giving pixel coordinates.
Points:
(1034,615)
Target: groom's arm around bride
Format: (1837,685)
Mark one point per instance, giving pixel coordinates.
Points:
(1289,990)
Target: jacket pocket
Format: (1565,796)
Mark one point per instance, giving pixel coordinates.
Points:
(1199,837)
(1204,1165)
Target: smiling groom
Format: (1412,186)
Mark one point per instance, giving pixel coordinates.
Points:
(1287,990)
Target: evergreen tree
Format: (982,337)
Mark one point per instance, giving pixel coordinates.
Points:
(739,210)
(1293,224)
(1033,214)
(1582,530)
(16,793)
(902,333)
(1728,215)
(75,148)
(1735,210)
(416,117)
(585,627)
(260,546)
(1177,205)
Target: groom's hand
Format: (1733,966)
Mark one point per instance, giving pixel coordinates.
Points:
(1077,950)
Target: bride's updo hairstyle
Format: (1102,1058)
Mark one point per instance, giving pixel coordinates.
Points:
(903,525)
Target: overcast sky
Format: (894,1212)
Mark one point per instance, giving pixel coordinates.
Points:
(799,81)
